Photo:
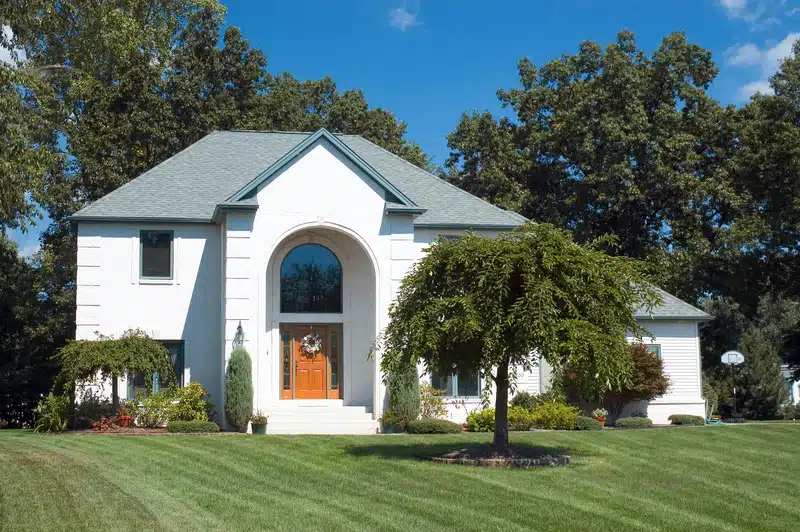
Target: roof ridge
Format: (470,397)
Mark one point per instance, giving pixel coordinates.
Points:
(178,155)
(282,132)
(460,190)
(264,131)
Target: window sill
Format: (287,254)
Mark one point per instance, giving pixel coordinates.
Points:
(157,281)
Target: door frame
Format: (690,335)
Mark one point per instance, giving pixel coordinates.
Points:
(291,327)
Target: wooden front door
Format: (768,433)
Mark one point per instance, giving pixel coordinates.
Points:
(315,376)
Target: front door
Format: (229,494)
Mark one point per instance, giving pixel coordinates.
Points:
(311,361)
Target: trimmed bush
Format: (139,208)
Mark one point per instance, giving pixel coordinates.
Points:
(520,419)
(524,400)
(190,404)
(481,420)
(686,419)
(530,401)
(432,404)
(587,423)
(239,389)
(195,426)
(151,411)
(555,416)
(404,394)
(633,423)
(432,426)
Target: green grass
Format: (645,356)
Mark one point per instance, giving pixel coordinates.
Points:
(696,478)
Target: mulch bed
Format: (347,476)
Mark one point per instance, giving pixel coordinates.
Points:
(138,431)
(512,456)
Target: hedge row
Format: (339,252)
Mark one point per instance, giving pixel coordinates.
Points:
(196,426)
(686,419)
(432,426)
(587,423)
(633,423)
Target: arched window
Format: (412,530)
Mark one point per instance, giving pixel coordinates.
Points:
(311,280)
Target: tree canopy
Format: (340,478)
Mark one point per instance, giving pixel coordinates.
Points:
(134,352)
(495,305)
(106,91)
(613,140)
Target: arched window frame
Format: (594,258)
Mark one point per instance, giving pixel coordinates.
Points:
(337,303)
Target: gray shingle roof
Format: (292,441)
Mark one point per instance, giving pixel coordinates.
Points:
(673,308)
(189,185)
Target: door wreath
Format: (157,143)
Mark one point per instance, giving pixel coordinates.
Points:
(310,345)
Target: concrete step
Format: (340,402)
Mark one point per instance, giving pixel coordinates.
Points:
(318,416)
(341,428)
(292,418)
(328,426)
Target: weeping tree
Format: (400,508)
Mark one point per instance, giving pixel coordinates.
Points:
(134,352)
(495,305)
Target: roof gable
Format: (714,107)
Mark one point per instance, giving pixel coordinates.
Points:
(672,308)
(395,195)
(195,184)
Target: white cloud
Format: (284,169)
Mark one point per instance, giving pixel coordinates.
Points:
(768,59)
(782,50)
(744,55)
(758,14)
(753,87)
(5,53)
(735,8)
(402,19)
(29,250)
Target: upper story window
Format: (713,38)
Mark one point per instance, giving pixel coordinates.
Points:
(155,254)
(311,280)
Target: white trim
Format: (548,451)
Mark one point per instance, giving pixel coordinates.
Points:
(269,303)
(311,317)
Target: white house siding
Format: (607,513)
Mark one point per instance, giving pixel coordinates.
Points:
(680,351)
(111,298)
(322,198)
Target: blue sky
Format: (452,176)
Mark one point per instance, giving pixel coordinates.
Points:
(430,60)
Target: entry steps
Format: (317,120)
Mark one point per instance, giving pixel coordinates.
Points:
(319,417)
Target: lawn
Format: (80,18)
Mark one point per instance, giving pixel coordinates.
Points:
(711,478)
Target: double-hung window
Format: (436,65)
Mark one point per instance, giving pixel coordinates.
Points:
(156,254)
(457,385)
(137,384)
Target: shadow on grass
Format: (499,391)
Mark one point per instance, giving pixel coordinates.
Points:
(414,448)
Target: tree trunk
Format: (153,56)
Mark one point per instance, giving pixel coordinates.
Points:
(501,407)
(114,393)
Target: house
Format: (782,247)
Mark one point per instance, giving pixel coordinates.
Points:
(288,235)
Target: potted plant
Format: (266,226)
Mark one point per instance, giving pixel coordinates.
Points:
(259,421)
(123,419)
(391,423)
(600,414)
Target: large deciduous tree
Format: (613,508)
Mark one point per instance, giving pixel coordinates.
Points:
(108,90)
(609,141)
(494,305)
